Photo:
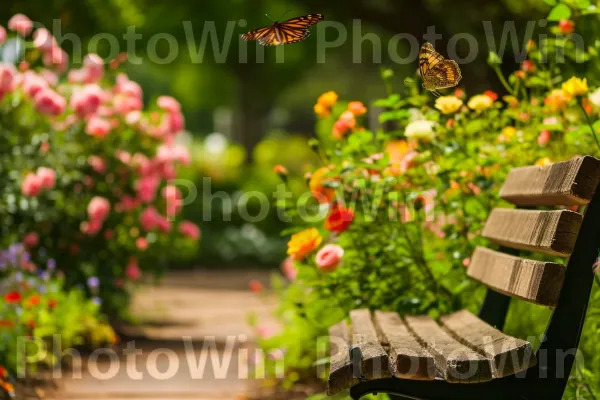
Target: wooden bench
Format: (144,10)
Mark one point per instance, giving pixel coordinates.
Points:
(464,356)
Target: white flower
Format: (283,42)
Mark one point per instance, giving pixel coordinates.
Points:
(595,97)
(420,130)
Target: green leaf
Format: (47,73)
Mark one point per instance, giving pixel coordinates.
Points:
(551,2)
(560,11)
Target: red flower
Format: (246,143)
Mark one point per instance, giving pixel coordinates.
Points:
(566,26)
(31,324)
(339,219)
(458,92)
(3,372)
(12,297)
(52,303)
(255,286)
(5,323)
(491,95)
(528,66)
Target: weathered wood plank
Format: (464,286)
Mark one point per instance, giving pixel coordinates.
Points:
(510,355)
(534,281)
(454,361)
(566,183)
(408,358)
(375,361)
(551,232)
(340,369)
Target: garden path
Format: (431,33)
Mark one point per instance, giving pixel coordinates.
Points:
(197,304)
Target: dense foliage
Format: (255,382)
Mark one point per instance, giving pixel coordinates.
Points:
(402,208)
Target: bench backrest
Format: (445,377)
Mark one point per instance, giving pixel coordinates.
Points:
(558,232)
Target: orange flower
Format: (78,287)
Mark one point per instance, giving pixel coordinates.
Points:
(321,110)
(491,95)
(566,26)
(5,323)
(339,219)
(33,301)
(345,123)
(8,387)
(280,170)
(357,108)
(402,156)
(303,243)
(321,193)
(328,99)
(52,303)
(557,100)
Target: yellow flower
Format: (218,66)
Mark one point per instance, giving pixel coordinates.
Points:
(509,132)
(575,87)
(328,99)
(321,110)
(448,104)
(542,162)
(303,243)
(557,100)
(420,130)
(480,102)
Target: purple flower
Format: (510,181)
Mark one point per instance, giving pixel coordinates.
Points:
(97,300)
(93,282)
(51,264)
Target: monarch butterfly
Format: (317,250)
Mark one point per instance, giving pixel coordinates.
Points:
(291,31)
(437,72)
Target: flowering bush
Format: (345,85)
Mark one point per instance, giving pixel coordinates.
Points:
(86,169)
(34,304)
(402,208)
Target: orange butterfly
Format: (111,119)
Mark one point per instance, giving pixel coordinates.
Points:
(291,31)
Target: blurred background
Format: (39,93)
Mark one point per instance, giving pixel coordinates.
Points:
(243,118)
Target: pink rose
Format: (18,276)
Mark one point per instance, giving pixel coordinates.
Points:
(98,127)
(169,153)
(8,79)
(189,229)
(329,257)
(172,195)
(87,100)
(91,227)
(47,177)
(544,137)
(93,65)
(128,203)
(141,243)
(148,218)
(288,269)
(31,185)
(57,58)
(176,122)
(128,87)
(98,208)
(31,240)
(43,40)
(265,332)
(33,83)
(97,163)
(49,76)
(21,24)
(146,188)
(169,104)
(132,272)
(47,101)
(2,34)
(163,224)
(123,156)
(126,104)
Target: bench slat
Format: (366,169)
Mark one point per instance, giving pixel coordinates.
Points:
(340,370)
(551,232)
(454,361)
(375,362)
(534,281)
(568,183)
(510,355)
(408,359)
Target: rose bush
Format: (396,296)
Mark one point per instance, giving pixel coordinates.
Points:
(401,209)
(88,172)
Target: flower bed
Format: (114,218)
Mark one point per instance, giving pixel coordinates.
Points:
(401,208)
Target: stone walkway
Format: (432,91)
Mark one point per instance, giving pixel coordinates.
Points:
(191,320)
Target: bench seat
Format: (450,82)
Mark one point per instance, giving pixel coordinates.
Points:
(460,349)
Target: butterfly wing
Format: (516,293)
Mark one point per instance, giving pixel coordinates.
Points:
(444,74)
(428,58)
(302,22)
(260,33)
